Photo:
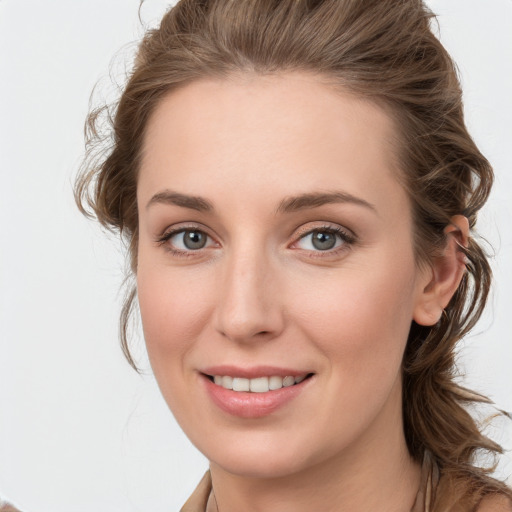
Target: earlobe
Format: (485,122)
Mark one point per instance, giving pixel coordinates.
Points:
(444,275)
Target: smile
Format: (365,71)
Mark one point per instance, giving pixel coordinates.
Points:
(254,393)
(258,384)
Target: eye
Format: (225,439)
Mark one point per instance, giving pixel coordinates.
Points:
(186,240)
(324,239)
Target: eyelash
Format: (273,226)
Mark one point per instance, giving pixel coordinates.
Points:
(167,235)
(347,239)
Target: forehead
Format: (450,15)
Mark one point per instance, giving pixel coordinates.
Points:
(251,131)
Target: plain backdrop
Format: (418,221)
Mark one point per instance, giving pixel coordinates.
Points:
(80,430)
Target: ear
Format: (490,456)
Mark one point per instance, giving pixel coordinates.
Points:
(443,277)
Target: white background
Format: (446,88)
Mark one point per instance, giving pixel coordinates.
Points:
(79,430)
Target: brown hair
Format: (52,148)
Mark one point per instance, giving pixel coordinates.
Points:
(382,50)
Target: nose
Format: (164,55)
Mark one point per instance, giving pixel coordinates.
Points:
(249,306)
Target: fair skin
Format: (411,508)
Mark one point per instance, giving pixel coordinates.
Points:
(236,277)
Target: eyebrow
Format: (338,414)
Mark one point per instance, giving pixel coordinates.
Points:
(185,201)
(288,205)
(317,199)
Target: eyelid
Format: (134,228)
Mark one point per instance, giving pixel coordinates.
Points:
(175,229)
(347,236)
(323,226)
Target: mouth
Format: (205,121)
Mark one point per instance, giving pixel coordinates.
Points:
(262,384)
(254,392)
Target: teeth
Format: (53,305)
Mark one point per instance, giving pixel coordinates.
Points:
(288,381)
(240,384)
(275,382)
(257,385)
(227,382)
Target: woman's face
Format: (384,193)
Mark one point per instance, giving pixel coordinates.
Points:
(275,241)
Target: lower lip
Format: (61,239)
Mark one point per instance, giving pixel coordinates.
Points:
(252,405)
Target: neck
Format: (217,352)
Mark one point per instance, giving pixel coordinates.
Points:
(376,473)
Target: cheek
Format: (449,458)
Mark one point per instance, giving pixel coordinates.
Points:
(173,312)
(173,309)
(360,318)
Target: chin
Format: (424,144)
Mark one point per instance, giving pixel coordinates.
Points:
(263,456)
(261,466)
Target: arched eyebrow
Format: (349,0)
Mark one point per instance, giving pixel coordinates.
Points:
(317,199)
(185,201)
(287,205)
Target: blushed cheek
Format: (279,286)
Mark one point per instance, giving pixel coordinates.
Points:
(360,321)
(167,320)
(167,314)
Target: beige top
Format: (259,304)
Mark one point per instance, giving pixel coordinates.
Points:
(202,499)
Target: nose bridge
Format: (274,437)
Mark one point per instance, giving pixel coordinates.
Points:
(248,305)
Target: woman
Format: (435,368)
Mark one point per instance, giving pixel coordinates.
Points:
(298,190)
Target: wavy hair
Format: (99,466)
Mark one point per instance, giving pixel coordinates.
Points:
(383,51)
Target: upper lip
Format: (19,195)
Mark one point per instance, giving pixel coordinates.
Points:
(253,371)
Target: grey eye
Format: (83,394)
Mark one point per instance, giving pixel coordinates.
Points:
(188,240)
(194,240)
(323,240)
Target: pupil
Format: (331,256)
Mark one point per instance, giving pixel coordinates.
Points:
(323,240)
(194,239)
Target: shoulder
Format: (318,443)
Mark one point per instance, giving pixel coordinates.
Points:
(495,503)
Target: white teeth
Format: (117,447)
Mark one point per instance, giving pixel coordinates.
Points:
(288,381)
(275,382)
(227,382)
(258,384)
(240,384)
